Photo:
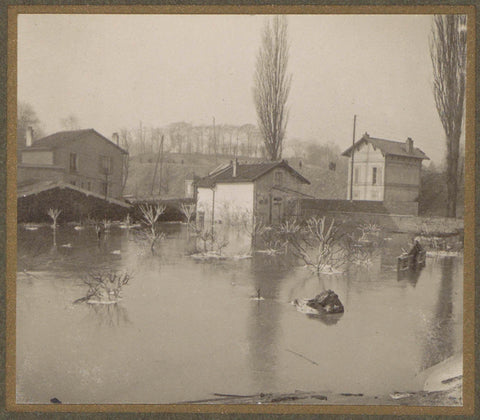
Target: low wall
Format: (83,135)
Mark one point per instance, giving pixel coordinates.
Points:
(396,222)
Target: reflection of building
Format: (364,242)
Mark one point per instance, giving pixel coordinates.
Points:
(268,190)
(386,170)
(83,158)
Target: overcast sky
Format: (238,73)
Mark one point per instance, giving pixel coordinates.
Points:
(112,71)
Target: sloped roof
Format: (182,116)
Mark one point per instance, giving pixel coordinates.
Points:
(61,138)
(38,187)
(246,172)
(388,147)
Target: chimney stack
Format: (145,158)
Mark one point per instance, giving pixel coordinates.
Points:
(29,136)
(409,145)
(235,168)
(115,139)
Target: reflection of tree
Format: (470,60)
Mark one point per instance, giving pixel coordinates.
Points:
(263,323)
(439,337)
(112,315)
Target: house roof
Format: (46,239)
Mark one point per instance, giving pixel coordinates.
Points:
(388,147)
(62,138)
(39,187)
(246,172)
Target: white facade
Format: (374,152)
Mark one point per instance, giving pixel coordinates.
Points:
(228,201)
(368,174)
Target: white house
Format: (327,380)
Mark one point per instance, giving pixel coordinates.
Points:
(266,190)
(385,170)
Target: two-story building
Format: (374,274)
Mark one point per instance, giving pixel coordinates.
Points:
(387,171)
(267,190)
(83,158)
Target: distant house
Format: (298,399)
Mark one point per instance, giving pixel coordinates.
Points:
(268,190)
(387,171)
(83,158)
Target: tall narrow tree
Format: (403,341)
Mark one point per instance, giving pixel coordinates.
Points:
(448,47)
(272,85)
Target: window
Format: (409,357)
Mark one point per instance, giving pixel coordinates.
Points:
(374,176)
(89,186)
(73,162)
(278,178)
(104,189)
(105,165)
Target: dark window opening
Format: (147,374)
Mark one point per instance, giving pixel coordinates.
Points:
(105,165)
(278,178)
(374,176)
(104,189)
(73,162)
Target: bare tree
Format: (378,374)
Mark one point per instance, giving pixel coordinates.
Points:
(272,85)
(126,141)
(54,213)
(70,122)
(150,217)
(26,117)
(448,47)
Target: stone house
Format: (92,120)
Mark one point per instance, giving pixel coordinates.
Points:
(387,171)
(267,190)
(82,158)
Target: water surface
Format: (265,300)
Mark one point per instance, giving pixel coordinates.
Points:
(186,329)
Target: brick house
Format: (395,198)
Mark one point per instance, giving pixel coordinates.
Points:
(387,171)
(268,190)
(83,158)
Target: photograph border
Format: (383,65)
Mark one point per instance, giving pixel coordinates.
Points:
(469,216)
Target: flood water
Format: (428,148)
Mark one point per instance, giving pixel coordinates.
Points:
(186,329)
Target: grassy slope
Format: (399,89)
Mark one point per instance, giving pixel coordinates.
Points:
(325,183)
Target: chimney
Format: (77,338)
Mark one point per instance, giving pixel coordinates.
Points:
(29,136)
(409,145)
(235,168)
(115,139)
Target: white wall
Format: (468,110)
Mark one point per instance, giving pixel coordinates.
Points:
(365,160)
(231,200)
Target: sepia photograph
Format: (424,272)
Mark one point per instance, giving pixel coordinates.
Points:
(241,209)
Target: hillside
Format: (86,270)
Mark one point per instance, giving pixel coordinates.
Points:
(327,181)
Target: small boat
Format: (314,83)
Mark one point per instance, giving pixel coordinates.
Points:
(412,260)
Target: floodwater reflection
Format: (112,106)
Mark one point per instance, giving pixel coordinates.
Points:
(186,329)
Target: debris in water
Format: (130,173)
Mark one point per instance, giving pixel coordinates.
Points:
(257,296)
(66,245)
(116,252)
(302,356)
(400,395)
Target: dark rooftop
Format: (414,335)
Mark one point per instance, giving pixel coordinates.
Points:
(61,138)
(246,172)
(388,147)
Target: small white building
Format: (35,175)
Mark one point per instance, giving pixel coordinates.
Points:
(267,190)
